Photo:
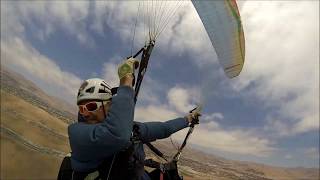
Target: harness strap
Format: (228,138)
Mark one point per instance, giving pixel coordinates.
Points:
(146,53)
(161,166)
(136,134)
(151,163)
(161,175)
(155,150)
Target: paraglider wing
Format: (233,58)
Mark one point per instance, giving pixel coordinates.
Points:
(222,22)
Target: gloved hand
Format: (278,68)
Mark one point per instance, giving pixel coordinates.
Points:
(127,67)
(193,116)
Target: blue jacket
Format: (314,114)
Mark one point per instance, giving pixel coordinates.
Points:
(91,143)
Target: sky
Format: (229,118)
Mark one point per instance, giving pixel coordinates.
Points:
(269,114)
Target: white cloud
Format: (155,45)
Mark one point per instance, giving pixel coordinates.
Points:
(288,156)
(312,153)
(210,121)
(234,141)
(110,71)
(150,90)
(213,116)
(156,109)
(282,62)
(154,113)
(10,24)
(110,74)
(308,123)
(277,127)
(119,16)
(209,133)
(46,17)
(18,54)
(183,34)
(186,34)
(101,16)
(180,99)
(210,124)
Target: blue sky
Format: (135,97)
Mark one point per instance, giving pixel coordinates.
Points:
(269,114)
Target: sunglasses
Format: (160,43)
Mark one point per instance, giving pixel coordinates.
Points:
(90,107)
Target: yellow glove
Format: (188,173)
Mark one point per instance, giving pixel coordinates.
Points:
(127,67)
(193,116)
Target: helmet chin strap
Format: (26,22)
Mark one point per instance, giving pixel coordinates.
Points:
(104,112)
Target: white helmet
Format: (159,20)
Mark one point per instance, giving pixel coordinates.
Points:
(94,89)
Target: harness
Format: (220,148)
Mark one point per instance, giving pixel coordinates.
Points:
(119,166)
(122,165)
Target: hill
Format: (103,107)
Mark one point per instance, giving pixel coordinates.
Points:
(33,129)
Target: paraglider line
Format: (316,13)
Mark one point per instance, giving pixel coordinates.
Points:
(134,29)
(170,17)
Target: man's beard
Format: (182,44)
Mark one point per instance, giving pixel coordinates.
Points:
(93,118)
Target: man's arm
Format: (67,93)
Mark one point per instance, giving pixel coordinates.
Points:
(92,141)
(113,133)
(151,131)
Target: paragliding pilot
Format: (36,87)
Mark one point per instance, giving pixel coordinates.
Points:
(106,143)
